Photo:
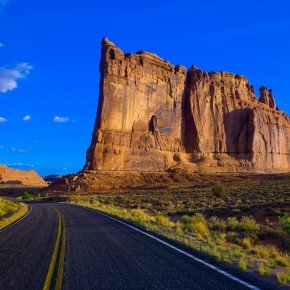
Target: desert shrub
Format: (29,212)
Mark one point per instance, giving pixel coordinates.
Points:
(263,269)
(179,227)
(262,251)
(2,212)
(246,243)
(248,224)
(232,223)
(285,223)
(7,207)
(26,195)
(282,260)
(164,221)
(243,263)
(276,212)
(219,238)
(233,237)
(46,197)
(218,191)
(196,224)
(140,215)
(217,224)
(283,277)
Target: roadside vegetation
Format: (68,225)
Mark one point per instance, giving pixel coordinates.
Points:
(27,196)
(244,224)
(11,211)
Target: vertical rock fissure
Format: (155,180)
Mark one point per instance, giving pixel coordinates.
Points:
(189,129)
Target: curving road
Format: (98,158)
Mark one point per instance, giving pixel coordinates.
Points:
(100,253)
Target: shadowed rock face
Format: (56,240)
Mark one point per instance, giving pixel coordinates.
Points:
(154,116)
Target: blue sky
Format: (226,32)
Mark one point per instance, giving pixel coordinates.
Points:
(50,53)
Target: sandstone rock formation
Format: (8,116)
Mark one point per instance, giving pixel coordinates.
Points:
(154,116)
(24,177)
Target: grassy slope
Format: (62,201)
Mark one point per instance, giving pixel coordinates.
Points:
(221,239)
(220,226)
(11,211)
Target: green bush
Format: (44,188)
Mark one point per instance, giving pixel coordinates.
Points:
(283,277)
(248,224)
(243,263)
(196,224)
(218,191)
(27,196)
(285,222)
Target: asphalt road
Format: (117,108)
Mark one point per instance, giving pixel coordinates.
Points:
(100,254)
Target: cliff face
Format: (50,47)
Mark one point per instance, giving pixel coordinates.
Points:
(25,177)
(154,116)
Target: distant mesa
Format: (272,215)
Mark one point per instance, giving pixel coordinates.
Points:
(156,117)
(25,177)
(52,178)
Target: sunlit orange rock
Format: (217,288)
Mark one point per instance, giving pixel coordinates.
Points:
(154,116)
(24,177)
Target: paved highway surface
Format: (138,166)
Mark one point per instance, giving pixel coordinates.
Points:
(100,253)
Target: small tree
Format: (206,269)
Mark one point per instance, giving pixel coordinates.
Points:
(218,191)
(26,195)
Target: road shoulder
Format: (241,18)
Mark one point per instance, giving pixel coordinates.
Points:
(15,217)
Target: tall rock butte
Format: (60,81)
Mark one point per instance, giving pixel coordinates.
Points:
(154,116)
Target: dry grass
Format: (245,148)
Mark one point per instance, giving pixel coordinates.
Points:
(222,226)
(11,211)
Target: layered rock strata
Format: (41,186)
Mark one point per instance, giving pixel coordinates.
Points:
(154,116)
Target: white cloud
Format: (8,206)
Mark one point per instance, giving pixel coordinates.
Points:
(58,119)
(3,120)
(26,118)
(10,75)
(20,164)
(17,150)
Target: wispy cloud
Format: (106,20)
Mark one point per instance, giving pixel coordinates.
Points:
(58,119)
(3,120)
(17,150)
(26,118)
(20,165)
(1,146)
(1,44)
(9,76)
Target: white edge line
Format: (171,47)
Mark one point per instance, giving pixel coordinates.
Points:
(230,276)
(17,221)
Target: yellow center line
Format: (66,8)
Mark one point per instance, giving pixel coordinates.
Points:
(61,259)
(60,238)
